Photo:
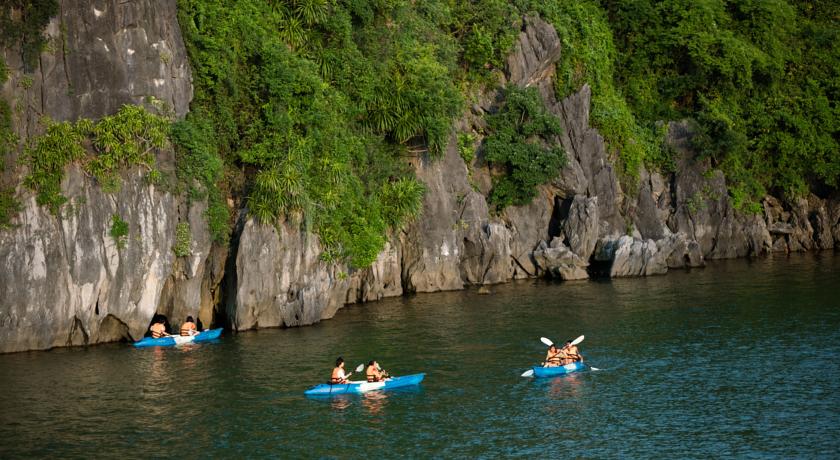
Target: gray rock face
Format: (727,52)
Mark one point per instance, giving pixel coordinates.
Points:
(534,54)
(432,246)
(67,282)
(580,228)
(529,225)
(380,280)
(587,155)
(75,285)
(628,256)
(103,55)
(558,261)
(281,279)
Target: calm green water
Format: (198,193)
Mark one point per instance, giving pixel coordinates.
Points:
(741,359)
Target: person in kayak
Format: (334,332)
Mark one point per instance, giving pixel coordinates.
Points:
(374,373)
(554,357)
(188,327)
(158,328)
(338,375)
(572,353)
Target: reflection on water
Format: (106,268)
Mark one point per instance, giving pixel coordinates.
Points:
(564,387)
(339,402)
(374,402)
(738,360)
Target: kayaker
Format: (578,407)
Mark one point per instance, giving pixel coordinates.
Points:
(374,373)
(572,353)
(338,375)
(188,327)
(158,328)
(553,357)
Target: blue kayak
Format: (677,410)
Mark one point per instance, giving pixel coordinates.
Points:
(326,389)
(540,371)
(204,336)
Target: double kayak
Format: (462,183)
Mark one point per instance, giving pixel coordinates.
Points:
(326,389)
(540,371)
(204,336)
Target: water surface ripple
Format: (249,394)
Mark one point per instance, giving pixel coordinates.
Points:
(738,360)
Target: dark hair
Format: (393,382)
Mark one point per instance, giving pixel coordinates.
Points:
(371,362)
(568,342)
(339,361)
(189,319)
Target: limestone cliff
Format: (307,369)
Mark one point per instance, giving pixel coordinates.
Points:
(65,281)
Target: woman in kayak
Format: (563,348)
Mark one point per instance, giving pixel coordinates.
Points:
(374,373)
(188,327)
(338,375)
(554,357)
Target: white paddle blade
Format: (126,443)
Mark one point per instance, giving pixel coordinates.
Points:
(594,368)
(547,342)
(360,367)
(528,373)
(577,340)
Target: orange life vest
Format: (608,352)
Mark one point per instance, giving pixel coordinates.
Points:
(187,327)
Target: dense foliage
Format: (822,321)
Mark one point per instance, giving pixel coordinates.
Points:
(317,101)
(761,79)
(523,142)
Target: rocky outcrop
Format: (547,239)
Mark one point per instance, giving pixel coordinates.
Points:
(701,207)
(558,261)
(282,280)
(382,279)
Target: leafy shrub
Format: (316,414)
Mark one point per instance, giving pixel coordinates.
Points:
(120,140)
(522,142)
(119,231)
(60,145)
(466,147)
(128,137)
(183,240)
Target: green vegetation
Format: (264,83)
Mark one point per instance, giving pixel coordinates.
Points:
(128,137)
(522,142)
(9,206)
(317,101)
(21,26)
(761,79)
(183,240)
(119,231)
(201,170)
(120,140)
(60,145)
(466,147)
